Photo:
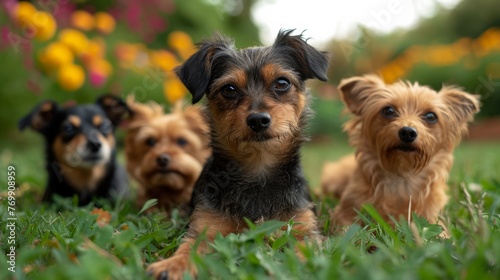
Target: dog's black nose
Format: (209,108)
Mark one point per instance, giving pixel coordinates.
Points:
(407,134)
(259,121)
(163,160)
(94,146)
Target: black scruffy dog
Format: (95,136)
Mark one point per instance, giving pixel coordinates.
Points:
(80,148)
(258,107)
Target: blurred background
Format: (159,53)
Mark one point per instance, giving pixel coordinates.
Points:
(76,50)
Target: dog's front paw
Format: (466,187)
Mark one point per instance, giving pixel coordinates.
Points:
(172,268)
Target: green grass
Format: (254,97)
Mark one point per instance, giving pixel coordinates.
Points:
(67,243)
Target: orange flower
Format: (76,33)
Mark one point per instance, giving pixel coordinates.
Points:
(104,22)
(102,66)
(82,20)
(133,56)
(70,77)
(103,216)
(95,50)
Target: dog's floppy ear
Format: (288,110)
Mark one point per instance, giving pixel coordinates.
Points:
(114,107)
(355,90)
(309,62)
(462,105)
(40,117)
(196,72)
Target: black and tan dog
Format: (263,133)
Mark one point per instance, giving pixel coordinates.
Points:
(80,148)
(257,110)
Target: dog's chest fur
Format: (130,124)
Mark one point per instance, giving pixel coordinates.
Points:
(225,187)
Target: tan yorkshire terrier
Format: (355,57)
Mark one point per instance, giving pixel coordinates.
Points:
(404,135)
(165,153)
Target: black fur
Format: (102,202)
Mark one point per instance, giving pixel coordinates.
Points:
(49,123)
(223,184)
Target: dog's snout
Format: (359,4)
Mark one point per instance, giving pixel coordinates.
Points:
(259,121)
(94,145)
(408,134)
(163,160)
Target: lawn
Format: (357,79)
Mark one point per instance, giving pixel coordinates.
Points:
(68,242)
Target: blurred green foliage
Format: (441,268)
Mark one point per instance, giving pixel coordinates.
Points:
(477,71)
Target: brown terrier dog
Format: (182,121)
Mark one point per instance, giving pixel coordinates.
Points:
(166,152)
(404,136)
(258,108)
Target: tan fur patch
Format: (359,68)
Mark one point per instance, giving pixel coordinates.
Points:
(75,120)
(96,120)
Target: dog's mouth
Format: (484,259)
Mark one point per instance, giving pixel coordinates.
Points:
(93,158)
(405,148)
(166,171)
(261,137)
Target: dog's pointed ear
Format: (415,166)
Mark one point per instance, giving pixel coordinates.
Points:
(114,107)
(196,72)
(140,112)
(40,117)
(463,106)
(355,90)
(308,61)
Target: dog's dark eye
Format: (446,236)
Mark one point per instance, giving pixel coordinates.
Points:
(229,91)
(106,127)
(388,112)
(430,117)
(281,85)
(68,129)
(150,141)
(182,142)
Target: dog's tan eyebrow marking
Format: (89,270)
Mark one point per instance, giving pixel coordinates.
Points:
(46,107)
(75,120)
(97,120)
(236,77)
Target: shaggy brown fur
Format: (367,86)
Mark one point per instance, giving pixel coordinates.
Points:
(166,152)
(404,136)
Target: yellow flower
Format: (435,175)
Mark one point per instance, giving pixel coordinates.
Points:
(71,77)
(45,26)
(181,42)
(24,12)
(173,89)
(82,20)
(104,22)
(55,55)
(164,59)
(74,39)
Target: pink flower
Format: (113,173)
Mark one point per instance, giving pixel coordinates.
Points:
(97,79)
